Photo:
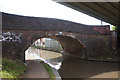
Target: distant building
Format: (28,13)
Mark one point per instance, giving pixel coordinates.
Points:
(48,43)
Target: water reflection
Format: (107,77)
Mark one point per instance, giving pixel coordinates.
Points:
(77,68)
(53,59)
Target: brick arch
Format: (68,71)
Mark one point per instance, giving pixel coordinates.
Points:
(71,46)
(95,38)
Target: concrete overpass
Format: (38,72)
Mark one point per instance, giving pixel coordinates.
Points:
(105,10)
(78,40)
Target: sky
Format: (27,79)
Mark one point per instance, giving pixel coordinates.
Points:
(48,9)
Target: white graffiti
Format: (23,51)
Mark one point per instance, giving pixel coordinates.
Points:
(60,33)
(72,35)
(10,36)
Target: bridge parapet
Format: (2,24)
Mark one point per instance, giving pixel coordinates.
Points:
(16,22)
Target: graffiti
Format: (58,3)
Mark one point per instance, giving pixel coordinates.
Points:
(49,34)
(9,36)
(56,34)
(60,33)
(71,35)
(100,29)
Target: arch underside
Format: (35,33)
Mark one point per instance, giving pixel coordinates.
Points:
(71,46)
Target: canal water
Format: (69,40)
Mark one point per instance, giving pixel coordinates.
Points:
(75,68)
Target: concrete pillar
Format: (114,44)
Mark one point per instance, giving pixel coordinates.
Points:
(118,34)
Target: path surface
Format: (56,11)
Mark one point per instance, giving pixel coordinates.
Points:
(35,69)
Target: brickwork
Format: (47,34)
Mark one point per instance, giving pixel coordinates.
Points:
(76,39)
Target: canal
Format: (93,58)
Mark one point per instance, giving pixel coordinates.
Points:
(75,68)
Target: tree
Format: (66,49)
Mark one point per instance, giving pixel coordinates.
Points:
(114,28)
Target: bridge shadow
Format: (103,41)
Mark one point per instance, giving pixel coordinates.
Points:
(76,69)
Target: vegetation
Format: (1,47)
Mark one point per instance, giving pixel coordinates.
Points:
(46,48)
(114,28)
(12,69)
(48,68)
(38,47)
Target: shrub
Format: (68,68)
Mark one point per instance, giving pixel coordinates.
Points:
(12,69)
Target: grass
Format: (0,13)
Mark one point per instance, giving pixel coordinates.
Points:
(38,47)
(12,69)
(46,48)
(48,68)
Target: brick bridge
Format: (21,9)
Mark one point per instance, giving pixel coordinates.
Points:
(82,41)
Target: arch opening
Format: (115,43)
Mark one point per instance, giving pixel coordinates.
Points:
(45,48)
